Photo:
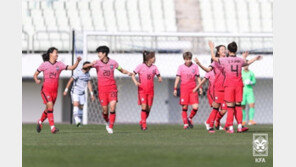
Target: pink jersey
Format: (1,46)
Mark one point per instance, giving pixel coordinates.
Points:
(211,77)
(219,76)
(146,75)
(51,74)
(233,70)
(105,72)
(187,75)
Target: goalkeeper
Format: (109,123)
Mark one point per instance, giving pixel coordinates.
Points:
(248,95)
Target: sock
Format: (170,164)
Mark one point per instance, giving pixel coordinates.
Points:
(251,113)
(143,118)
(193,112)
(50,118)
(43,116)
(184,116)
(80,113)
(212,117)
(245,115)
(105,116)
(238,114)
(147,114)
(75,114)
(229,119)
(112,119)
(219,116)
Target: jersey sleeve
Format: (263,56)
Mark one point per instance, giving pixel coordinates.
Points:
(179,71)
(41,67)
(63,66)
(253,79)
(207,76)
(157,71)
(138,68)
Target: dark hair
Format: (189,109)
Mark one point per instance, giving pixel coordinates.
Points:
(87,62)
(187,55)
(103,49)
(217,50)
(147,55)
(232,47)
(45,56)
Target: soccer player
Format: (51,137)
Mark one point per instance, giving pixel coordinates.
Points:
(218,90)
(51,69)
(188,73)
(81,79)
(146,71)
(248,95)
(107,88)
(233,84)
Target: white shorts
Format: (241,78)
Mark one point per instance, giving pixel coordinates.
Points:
(79,98)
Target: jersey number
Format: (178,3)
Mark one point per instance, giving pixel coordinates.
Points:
(106,73)
(235,70)
(149,77)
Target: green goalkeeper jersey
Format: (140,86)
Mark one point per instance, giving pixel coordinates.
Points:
(248,80)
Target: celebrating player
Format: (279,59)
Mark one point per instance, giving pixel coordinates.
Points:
(146,71)
(81,79)
(188,73)
(51,69)
(248,95)
(218,90)
(233,84)
(106,84)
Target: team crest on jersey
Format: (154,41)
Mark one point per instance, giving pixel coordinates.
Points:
(154,71)
(182,100)
(193,71)
(57,68)
(142,99)
(111,66)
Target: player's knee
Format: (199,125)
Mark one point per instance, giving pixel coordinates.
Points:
(238,104)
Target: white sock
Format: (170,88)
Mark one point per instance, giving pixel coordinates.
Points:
(75,114)
(230,127)
(239,126)
(80,113)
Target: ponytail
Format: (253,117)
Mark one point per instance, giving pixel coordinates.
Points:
(45,56)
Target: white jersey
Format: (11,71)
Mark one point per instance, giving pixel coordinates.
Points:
(80,82)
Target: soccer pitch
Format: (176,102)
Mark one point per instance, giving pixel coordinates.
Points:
(160,145)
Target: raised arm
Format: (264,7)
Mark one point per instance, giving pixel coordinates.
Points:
(90,90)
(252,60)
(73,67)
(206,69)
(176,85)
(37,81)
(200,84)
(211,45)
(68,85)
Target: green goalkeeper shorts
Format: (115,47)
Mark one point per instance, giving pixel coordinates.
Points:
(248,97)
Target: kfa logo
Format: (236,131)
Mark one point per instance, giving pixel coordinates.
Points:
(111,66)
(57,68)
(142,99)
(260,144)
(154,72)
(193,71)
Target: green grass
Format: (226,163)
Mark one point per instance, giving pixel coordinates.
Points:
(161,145)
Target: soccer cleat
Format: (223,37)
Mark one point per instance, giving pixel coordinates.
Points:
(190,123)
(54,130)
(207,126)
(239,130)
(211,130)
(220,127)
(78,124)
(244,123)
(110,131)
(244,129)
(251,122)
(229,131)
(39,126)
(144,129)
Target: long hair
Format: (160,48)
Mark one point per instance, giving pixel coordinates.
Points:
(217,50)
(45,56)
(147,55)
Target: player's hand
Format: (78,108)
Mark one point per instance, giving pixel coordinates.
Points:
(211,45)
(175,92)
(245,54)
(79,59)
(137,83)
(38,81)
(65,93)
(200,91)
(196,60)
(259,57)
(159,79)
(92,97)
